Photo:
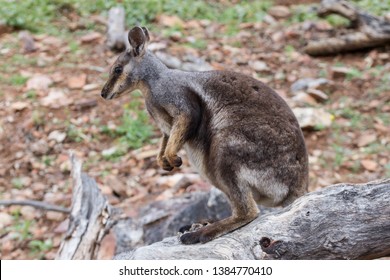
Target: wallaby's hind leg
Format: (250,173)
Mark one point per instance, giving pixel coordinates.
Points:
(244,210)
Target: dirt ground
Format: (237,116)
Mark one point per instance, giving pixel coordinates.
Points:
(50,105)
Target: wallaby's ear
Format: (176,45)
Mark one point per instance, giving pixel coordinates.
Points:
(146,32)
(138,40)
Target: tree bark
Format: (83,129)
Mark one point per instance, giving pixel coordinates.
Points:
(371,31)
(344,221)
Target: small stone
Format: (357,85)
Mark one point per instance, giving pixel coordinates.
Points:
(90,87)
(40,147)
(19,106)
(90,37)
(340,72)
(302,98)
(279,11)
(52,41)
(55,216)
(56,99)
(306,83)
(57,136)
(77,82)
(5,220)
(257,65)
(366,139)
(28,41)
(369,165)
(28,212)
(317,94)
(309,118)
(109,152)
(39,82)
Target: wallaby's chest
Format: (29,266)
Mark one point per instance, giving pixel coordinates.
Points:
(161,117)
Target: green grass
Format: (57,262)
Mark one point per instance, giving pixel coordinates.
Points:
(39,15)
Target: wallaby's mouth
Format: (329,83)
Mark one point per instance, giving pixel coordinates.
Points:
(109,96)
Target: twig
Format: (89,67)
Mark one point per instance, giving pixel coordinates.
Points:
(36,204)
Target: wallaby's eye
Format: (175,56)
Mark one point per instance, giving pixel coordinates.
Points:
(118,70)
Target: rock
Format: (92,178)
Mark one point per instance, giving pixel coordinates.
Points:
(164,218)
(257,65)
(28,41)
(317,94)
(77,82)
(90,37)
(310,118)
(40,148)
(28,212)
(307,83)
(340,72)
(169,60)
(302,98)
(52,41)
(55,216)
(366,139)
(90,87)
(110,151)
(56,99)
(369,165)
(39,82)
(279,11)
(19,105)
(5,219)
(57,136)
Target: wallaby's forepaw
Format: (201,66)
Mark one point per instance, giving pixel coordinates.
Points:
(174,160)
(164,164)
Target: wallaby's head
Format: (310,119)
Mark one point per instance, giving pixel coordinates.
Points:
(125,73)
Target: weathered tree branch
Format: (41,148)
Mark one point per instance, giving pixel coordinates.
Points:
(344,221)
(371,31)
(90,218)
(35,203)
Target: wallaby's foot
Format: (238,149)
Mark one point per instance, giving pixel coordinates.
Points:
(214,230)
(191,237)
(191,234)
(164,164)
(195,226)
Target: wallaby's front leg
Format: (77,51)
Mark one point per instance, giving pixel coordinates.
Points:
(176,140)
(161,160)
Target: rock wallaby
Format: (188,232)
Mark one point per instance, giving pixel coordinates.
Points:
(237,132)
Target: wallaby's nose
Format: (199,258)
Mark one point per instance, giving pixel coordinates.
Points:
(103,94)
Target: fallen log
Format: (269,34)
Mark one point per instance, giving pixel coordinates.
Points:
(344,221)
(371,31)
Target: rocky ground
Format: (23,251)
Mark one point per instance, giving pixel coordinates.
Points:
(50,104)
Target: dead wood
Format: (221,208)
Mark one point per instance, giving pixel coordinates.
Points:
(37,204)
(370,31)
(343,221)
(91,218)
(116,34)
